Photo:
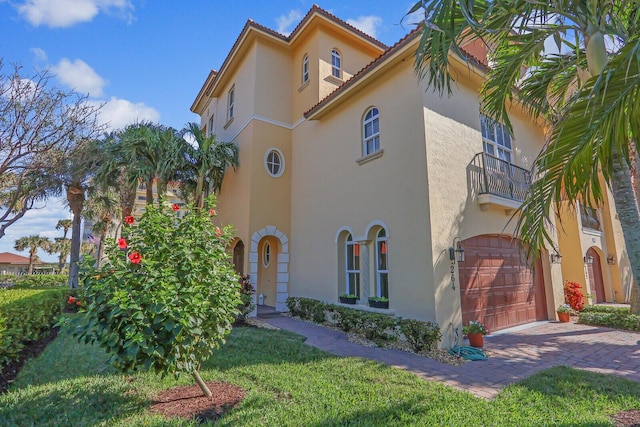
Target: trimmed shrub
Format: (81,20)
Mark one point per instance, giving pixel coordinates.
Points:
(605,309)
(35,280)
(421,335)
(25,314)
(618,320)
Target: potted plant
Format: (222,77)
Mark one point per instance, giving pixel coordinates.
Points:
(348,298)
(475,330)
(564,311)
(379,302)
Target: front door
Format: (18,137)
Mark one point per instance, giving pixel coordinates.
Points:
(595,276)
(267,270)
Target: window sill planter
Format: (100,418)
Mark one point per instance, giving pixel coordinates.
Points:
(375,303)
(348,299)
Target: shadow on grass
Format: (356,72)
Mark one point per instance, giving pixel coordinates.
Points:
(77,402)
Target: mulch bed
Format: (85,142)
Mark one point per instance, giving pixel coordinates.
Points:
(33,349)
(627,418)
(189,402)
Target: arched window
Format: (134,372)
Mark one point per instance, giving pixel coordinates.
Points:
(238,257)
(352,266)
(371,132)
(382,269)
(336,64)
(305,69)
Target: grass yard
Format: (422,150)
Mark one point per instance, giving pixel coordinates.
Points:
(290,384)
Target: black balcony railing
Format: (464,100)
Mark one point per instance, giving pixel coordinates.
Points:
(501,178)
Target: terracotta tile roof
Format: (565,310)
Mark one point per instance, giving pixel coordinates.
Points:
(315,8)
(9,258)
(369,67)
(360,74)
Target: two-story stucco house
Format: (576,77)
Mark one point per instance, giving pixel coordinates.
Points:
(355,179)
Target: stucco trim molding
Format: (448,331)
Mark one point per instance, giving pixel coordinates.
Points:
(282,292)
(341,230)
(377,224)
(266,120)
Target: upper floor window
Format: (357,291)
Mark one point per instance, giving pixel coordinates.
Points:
(496,139)
(336,64)
(210,127)
(231,102)
(589,217)
(274,162)
(305,69)
(371,132)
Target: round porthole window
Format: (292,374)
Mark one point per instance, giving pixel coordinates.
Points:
(274,162)
(266,254)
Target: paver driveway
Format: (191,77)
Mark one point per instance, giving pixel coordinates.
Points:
(513,356)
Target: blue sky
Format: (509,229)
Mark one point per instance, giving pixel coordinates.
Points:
(146,60)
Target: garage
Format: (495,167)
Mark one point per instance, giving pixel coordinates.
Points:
(497,284)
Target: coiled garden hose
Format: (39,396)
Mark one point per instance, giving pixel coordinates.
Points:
(465,351)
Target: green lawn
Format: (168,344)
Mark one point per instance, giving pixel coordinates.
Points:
(291,384)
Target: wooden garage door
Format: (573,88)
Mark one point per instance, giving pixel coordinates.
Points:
(497,284)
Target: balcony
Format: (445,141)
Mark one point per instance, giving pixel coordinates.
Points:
(498,182)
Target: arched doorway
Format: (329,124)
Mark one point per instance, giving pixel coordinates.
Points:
(269,267)
(498,285)
(238,257)
(594,270)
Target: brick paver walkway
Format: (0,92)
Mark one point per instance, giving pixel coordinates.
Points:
(513,355)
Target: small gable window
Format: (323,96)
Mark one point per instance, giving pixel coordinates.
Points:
(336,64)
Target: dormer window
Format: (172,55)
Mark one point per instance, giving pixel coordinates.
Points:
(336,64)
(305,69)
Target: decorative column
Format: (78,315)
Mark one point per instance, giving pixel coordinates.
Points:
(364,272)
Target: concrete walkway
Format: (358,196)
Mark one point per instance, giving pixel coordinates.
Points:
(513,356)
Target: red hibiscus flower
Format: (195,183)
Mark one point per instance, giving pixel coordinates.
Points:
(71,300)
(175,207)
(218,232)
(135,258)
(122,243)
(129,220)
(213,212)
(78,303)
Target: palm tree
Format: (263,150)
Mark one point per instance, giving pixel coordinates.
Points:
(587,92)
(203,166)
(32,243)
(102,207)
(65,224)
(62,246)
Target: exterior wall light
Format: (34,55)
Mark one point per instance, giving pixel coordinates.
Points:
(556,258)
(588,259)
(456,253)
(611,259)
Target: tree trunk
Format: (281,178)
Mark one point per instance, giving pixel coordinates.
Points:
(75,197)
(161,188)
(32,258)
(149,186)
(199,190)
(201,384)
(627,207)
(61,262)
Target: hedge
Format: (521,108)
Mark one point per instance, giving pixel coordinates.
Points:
(374,326)
(25,315)
(35,280)
(614,317)
(605,309)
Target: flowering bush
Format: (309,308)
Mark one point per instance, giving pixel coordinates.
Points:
(166,296)
(565,308)
(246,292)
(573,295)
(475,327)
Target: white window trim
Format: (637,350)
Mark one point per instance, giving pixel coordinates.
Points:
(379,239)
(305,69)
(366,138)
(282,162)
(335,53)
(346,266)
(497,127)
(231,101)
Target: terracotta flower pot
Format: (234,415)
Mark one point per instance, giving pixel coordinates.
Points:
(564,317)
(476,340)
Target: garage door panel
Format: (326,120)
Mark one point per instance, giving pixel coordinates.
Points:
(497,286)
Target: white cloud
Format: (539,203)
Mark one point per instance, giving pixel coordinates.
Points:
(37,221)
(79,76)
(285,22)
(65,13)
(117,113)
(39,54)
(367,24)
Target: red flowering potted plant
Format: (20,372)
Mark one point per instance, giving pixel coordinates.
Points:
(475,331)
